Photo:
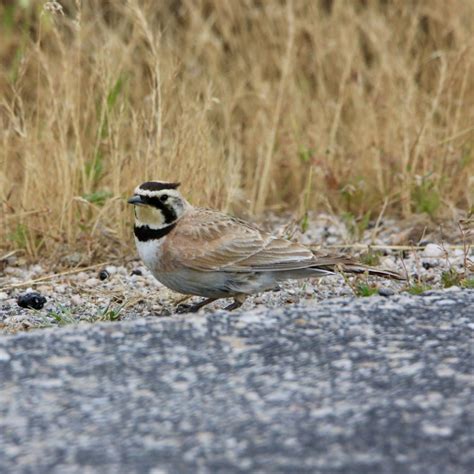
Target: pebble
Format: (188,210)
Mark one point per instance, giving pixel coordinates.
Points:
(3,295)
(91,282)
(76,299)
(73,258)
(14,271)
(453,288)
(4,356)
(445,302)
(389,262)
(32,300)
(384,291)
(136,272)
(433,430)
(36,269)
(445,372)
(434,251)
(104,274)
(409,370)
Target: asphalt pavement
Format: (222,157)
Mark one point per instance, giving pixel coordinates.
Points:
(368,385)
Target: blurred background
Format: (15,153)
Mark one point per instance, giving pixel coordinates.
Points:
(350,107)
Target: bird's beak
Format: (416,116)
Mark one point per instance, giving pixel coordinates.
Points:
(136,200)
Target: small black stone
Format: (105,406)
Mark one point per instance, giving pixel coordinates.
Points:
(31,300)
(137,272)
(428,265)
(104,274)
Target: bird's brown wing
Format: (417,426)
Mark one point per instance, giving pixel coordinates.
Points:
(207,240)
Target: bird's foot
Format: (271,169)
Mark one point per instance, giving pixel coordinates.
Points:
(193,308)
(238,301)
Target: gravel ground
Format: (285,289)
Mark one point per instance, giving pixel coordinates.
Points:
(306,379)
(351,385)
(129,291)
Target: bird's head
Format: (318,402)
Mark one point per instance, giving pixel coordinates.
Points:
(158,204)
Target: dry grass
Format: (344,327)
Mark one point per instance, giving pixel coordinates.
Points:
(340,105)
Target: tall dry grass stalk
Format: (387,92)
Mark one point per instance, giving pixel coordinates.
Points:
(240,100)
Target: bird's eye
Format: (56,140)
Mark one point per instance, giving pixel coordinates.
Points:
(163,197)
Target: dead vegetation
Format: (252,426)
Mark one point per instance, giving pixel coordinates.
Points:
(349,106)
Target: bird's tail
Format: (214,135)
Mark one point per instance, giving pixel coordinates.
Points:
(344,264)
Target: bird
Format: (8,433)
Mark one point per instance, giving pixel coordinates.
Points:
(208,253)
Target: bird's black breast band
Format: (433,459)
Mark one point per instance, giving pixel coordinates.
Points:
(144,233)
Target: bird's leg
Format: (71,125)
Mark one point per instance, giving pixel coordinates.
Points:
(193,308)
(238,301)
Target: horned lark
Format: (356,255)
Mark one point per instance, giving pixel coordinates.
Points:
(207,253)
